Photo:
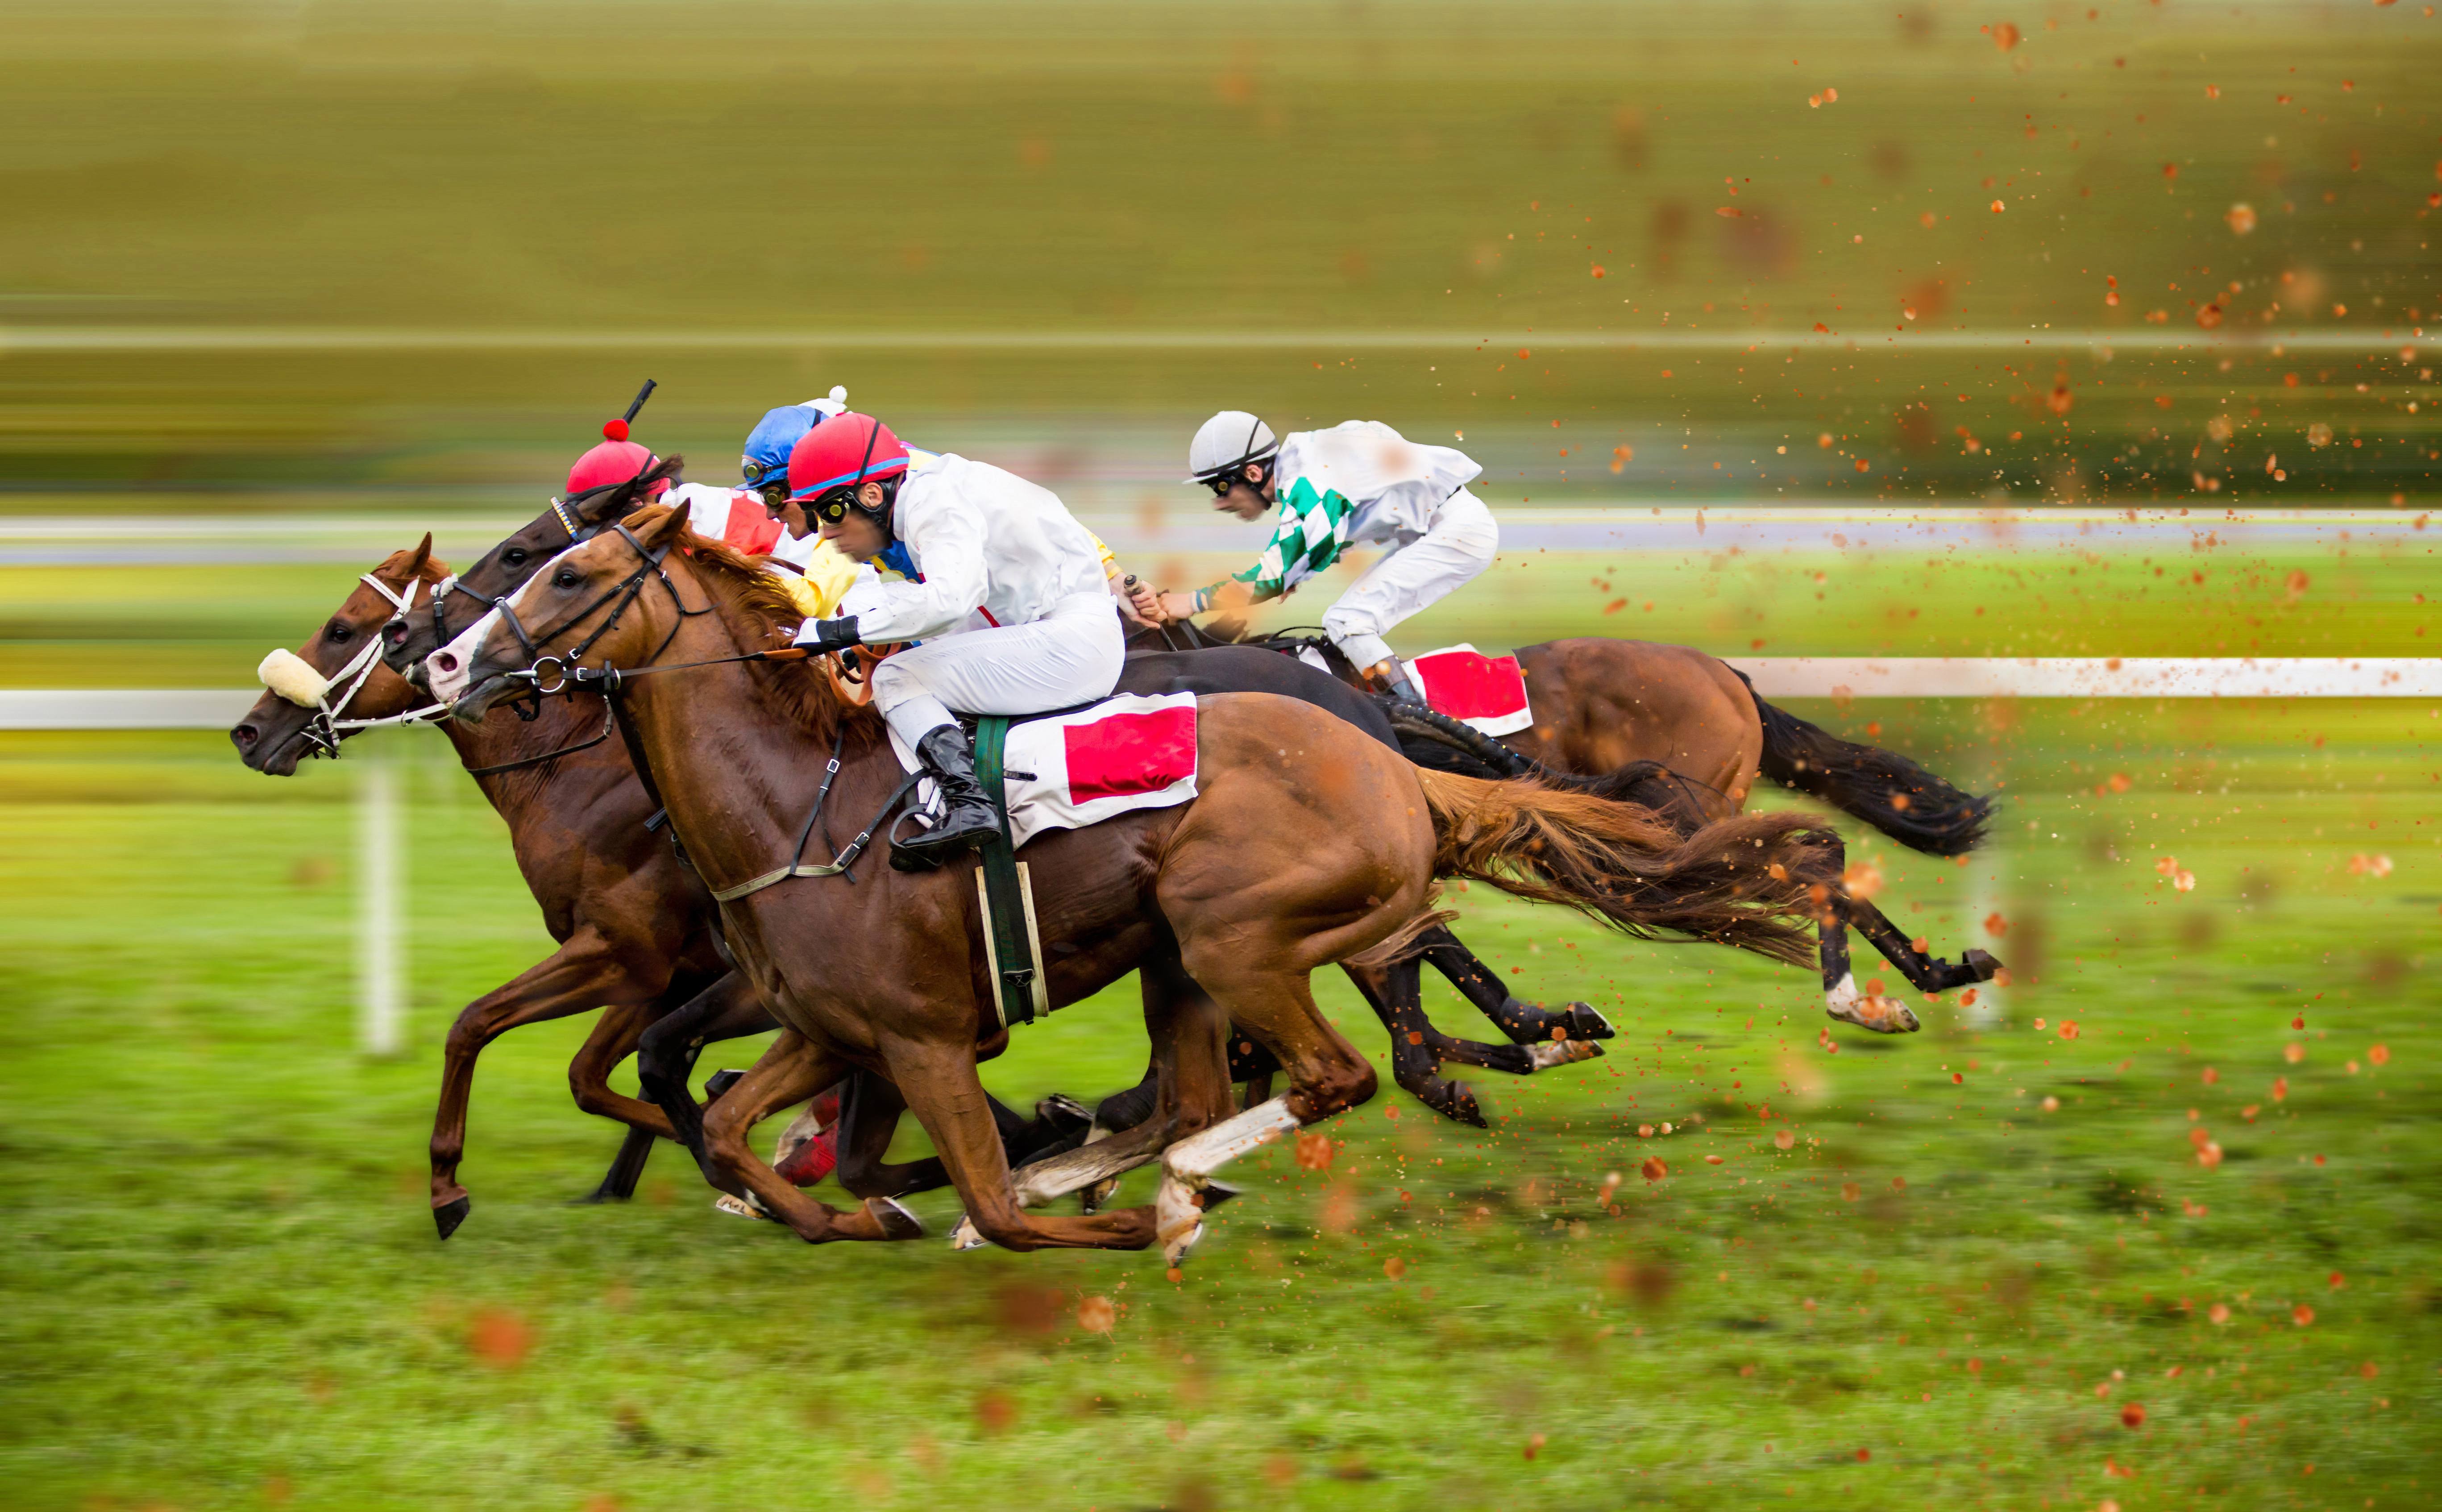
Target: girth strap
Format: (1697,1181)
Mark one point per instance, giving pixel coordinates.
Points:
(1019,992)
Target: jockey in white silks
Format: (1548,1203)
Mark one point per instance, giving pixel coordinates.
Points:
(1008,595)
(1359,482)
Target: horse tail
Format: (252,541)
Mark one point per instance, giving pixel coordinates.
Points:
(1749,881)
(1433,739)
(1885,789)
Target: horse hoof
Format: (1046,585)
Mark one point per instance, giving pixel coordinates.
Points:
(1562,1052)
(1983,963)
(1065,1114)
(736,1207)
(1454,1101)
(966,1236)
(1586,1022)
(447,1217)
(897,1221)
(1881,1016)
(1090,1199)
(719,1081)
(1216,1192)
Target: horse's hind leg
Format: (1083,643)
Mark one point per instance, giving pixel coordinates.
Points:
(1524,1023)
(1395,993)
(792,1070)
(1928,973)
(729,1009)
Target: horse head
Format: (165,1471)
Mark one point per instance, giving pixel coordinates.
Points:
(407,640)
(318,698)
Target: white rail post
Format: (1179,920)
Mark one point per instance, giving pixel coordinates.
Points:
(381,863)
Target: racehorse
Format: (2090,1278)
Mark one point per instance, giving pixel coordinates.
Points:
(1308,842)
(1539,1037)
(1614,710)
(636,928)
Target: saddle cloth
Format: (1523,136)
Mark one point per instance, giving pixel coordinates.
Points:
(1488,692)
(1083,766)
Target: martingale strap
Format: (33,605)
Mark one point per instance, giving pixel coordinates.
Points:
(839,863)
(1011,942)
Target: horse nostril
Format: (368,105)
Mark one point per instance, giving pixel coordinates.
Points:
(445,660)
(394,632)
(246,734)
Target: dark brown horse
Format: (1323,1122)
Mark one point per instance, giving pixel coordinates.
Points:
(634,926)
(637,930)
(1308,842)
(1617,712)
(1537,1037)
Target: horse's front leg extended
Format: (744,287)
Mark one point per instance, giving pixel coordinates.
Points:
(792,1070)
(583,973)
(1926,974)
(1395,993)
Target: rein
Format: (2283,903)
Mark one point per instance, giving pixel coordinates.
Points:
(610,681)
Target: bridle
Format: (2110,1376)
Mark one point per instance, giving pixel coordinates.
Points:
(568,511)
(326,729)
(566,676)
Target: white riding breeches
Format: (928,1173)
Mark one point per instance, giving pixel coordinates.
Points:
(1461,544)
(1071,656)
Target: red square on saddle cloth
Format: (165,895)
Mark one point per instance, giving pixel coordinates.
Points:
(1488,692)
(1126,753)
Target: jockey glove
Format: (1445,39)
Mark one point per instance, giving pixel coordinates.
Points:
(828,635)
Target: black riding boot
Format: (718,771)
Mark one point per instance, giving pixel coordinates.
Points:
(1404,688)
(968,818)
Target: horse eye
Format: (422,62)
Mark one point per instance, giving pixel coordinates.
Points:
(338,634)
(565,577)
(513,556)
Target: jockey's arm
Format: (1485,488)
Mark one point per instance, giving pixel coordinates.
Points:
(950,541)
(1266,579)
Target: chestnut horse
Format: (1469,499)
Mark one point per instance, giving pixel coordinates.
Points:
(636,929)
(1307,844)
(1611,711)
(635,926)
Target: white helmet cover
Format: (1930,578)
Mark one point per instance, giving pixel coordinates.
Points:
(1230,439)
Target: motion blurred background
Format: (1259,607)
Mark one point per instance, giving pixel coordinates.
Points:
(286,285)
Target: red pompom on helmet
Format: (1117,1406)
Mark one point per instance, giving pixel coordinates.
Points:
(842,453)
(614,430)
(613,463)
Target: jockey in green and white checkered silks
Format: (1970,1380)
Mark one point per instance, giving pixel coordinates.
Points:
(1359,483)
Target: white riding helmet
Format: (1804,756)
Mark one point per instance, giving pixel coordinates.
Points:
(1230,440)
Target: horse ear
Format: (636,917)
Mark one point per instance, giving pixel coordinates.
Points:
(663,531)
(422,554)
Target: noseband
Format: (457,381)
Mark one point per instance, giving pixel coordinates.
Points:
(326,729)
(564,672)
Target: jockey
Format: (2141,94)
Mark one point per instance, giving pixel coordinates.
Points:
(1360,481)
(1007,594)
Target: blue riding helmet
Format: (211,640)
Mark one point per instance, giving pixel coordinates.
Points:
(768,445)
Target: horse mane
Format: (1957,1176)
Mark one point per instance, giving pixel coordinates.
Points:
(758,611)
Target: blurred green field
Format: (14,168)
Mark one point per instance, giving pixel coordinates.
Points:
(502,216)
(358,259)
(222,1289)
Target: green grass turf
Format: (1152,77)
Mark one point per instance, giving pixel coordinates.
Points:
(222,1288)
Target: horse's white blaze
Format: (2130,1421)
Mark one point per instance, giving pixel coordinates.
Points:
(449,670)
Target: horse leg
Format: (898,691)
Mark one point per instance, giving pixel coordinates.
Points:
(589,1078)
(792,1070)
(729,1009)
(1327,1076)
(869,1110)
(1524,1023)
(940,1086)
(579,975)
(1395,993)
(1926,974)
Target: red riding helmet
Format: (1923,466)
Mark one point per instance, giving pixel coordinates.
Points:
(613,463)
(842,453)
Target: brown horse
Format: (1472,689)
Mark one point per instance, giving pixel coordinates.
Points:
(634,926)
(1307,844)
(1613,711)
(637,930)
